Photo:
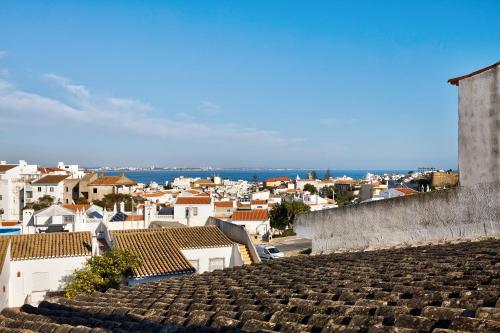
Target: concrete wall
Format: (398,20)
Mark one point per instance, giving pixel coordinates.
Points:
(463,212)
(236,233)
(479,128)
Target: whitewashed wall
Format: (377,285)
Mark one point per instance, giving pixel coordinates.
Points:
(204,255)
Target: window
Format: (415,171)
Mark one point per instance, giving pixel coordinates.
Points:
(216,263)
(29,194)
(39,189)
(67,189)
(94,190)
(195,264)
(51,189)
(1,197)
(68,219)
(40,281)
(195,211)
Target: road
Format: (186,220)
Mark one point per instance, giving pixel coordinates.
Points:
(291,245)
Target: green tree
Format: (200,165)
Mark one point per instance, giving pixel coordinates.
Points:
(43,202)
(102,272)
(282,215)
(81,201)
(310,188)
(343,198)
(327,192)
(328,174)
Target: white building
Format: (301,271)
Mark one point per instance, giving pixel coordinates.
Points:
(12,180)
(32,265)
(51,185)
(72,169)
(193,211)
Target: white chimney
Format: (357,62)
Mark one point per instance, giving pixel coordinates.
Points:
(122,207)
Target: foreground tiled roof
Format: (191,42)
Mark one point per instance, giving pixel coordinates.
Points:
(446,288)
(50,245)
(251,215)
(159,249)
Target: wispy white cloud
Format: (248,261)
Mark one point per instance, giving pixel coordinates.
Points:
(130,115)
(75,89)
(209,108)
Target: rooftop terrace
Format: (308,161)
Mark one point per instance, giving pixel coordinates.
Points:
(435,288)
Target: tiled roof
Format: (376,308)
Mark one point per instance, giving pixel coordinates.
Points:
(226,204)
(135,218)
(152,195)
(193,201)
(4,245)
(160,248)
(455,81)
(278,179)
(50,179)
(6,167)
(51,245)
(199,237)
(159,253)
(251,215)
(406,191)
(113,180)
(203,194)
(438,289)
(49,170)
(77,207)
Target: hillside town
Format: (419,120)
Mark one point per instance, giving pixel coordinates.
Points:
(67,204)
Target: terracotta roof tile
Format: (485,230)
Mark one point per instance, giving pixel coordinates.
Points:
(50,179)
(278,179)
(159,249)
(6,167)
(199,237)
(193,201)
(225,204)
(406,191)
(77,207)
(113,180)
(252,215)
(51,245)
(4,245)
(443,288)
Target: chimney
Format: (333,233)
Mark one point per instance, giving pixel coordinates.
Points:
(100,174)
(122,173)
(95,246)
(122,207)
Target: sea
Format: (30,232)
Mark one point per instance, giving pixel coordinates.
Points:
(163,176)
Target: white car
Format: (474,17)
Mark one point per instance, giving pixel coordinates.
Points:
(269,252)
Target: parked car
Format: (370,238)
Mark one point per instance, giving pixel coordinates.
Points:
(269,252)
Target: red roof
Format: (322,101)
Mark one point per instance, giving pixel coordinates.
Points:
(406,191)
(252,215)
(278,179)
(455,81)
(77,207)
(113,180)
(5,167)
(48,170)
(227,204)
(51,179)
(193,201)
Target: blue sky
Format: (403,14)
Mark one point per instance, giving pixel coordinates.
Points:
(337,84)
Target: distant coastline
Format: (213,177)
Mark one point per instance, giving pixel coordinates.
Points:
(163,175)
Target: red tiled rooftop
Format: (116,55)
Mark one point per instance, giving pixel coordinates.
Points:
(252,215)
(193,201)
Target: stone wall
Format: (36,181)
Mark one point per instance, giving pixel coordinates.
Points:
(457,213)
(479,128)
